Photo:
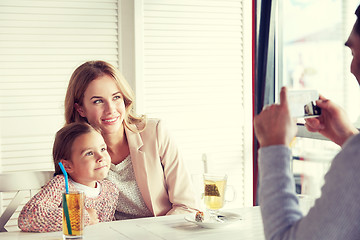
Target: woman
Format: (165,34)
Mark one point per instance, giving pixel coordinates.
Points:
(146,164)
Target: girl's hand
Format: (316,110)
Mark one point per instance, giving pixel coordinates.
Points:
(274,125)
(333,122)
(94,219)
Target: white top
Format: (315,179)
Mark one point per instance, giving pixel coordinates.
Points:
(131,204)
(88,191)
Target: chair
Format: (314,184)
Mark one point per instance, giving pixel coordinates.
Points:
(21,183)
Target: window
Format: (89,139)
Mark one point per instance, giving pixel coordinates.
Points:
(328,68)
(310,54)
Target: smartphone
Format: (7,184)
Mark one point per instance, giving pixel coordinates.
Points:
(302,103)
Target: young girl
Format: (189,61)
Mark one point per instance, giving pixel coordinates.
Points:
(83,152)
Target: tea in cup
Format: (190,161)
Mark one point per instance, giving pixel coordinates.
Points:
(214,192)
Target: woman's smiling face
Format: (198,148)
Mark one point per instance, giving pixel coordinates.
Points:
(103,105)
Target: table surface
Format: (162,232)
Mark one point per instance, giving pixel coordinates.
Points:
(161,228)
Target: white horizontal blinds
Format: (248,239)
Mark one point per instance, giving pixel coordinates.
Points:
(193,79)
(41,43)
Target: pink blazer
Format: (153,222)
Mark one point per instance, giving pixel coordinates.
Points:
(160,173)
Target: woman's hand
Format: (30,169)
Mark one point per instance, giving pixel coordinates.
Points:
(274,125)
(333,122)
(94,219)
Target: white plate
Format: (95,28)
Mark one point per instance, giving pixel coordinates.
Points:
(227,217)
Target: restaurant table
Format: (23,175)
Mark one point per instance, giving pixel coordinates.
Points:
(162,228)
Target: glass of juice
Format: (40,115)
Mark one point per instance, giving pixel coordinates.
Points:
(73,215)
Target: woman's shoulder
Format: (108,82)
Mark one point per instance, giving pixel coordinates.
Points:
(153,122)
(156,131)
(152,125)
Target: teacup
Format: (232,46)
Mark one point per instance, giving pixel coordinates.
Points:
(215,186)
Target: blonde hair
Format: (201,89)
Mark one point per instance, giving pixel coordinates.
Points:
(80,80)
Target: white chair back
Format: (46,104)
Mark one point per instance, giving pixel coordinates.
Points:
(21,183)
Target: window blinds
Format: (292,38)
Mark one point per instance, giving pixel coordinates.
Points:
(41,44)
(194,77)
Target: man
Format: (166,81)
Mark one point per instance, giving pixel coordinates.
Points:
(336,214)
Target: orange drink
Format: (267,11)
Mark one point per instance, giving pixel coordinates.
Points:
(73,215)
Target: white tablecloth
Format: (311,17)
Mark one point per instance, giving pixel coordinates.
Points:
(160,228)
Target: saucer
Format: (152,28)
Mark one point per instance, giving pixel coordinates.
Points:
(227,218)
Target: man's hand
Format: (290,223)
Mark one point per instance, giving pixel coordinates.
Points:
(333,122)
(274,125)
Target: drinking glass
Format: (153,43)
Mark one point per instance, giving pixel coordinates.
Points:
(73,215)
(215,186)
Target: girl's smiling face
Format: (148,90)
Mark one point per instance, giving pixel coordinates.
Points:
(90,161)
(103,105)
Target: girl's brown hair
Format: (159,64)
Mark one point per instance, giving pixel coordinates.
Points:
(64,140)
(81,79)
